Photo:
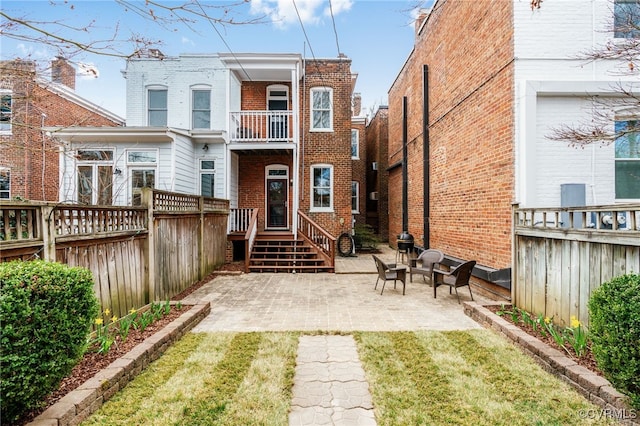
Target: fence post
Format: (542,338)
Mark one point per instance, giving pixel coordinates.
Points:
(203,260)
(514,254)
(150,247)
(48,233)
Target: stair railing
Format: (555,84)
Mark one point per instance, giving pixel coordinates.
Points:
(250,237)
(317,236)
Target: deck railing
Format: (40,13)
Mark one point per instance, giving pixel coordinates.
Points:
(261,126)
(250,237)
(239,220)
(317,236)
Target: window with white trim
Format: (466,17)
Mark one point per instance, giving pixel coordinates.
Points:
(207,178)
(322,188)
(157,107)
(5,184)
(355,197)
(627,160)
(201,109)
(6,107)
(355,144)
(94,176)
(321,109)
(626,19)
(142,166)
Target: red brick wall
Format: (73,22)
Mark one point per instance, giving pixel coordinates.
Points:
(328,147)
(251,185)
(31,156)
(377,139)
(468,47)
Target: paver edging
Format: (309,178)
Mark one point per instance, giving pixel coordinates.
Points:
(80,403)
(595,388)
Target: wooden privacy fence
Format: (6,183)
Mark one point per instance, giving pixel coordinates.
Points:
(137,254)
(562,254)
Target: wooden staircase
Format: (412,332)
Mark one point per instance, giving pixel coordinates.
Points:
(275,252)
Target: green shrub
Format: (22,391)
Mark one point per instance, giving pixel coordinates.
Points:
(46,311)
(615,333)
(364,237)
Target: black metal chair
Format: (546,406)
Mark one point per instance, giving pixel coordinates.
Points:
(458,277)
(389,272)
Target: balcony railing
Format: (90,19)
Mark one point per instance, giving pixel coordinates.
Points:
(261,126)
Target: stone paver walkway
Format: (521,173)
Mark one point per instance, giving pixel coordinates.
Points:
(330,386)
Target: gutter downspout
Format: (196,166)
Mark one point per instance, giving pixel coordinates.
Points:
(425,156)
(405,178)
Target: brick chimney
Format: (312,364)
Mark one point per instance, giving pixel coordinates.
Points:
(357,104)
(422,16)
(63,73)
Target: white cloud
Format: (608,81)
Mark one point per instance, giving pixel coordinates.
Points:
(187,40)
(27,52)
(284,13)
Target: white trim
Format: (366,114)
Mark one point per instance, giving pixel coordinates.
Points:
(321,89)
(357,196)
(311,188)
(357,156)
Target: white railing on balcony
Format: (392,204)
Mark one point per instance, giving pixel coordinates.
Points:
(239,220)
(261,126)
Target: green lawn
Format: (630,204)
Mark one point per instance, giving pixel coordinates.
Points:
(416,378)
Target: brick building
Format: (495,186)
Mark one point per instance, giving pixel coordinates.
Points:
(469,117)
(269,132)
(377,142)
(29,156)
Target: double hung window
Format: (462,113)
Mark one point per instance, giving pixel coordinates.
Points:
(5,184)
(157,104)
(321,109)
(201,109)
(322,188)
(355,135)
(627,160)
(626,18)
(142,166)
(207,178)
(6,107)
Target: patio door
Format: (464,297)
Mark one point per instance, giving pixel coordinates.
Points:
(277,197)
(278,100)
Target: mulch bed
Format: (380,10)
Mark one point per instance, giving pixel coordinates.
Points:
(587,360)
(91,363)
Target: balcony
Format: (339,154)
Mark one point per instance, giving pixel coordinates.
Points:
(261,126)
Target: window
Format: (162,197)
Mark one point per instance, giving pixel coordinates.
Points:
(207,174)
(355,135)
(5,111)
(95,177)
(5,184)
(355,197)
(143,172)
(322,188)
(157,107)
(201,112)
(627,160)
(626,19)
(321,109)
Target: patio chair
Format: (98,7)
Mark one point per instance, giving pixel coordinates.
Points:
(388,272)
(458,277)
(425,263)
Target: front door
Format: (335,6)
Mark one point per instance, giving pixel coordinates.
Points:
(277,202)
(278,100)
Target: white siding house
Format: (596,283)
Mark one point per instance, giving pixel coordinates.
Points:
(554,86)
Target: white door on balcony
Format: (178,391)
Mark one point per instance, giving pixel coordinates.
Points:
(277,197)
(277,100)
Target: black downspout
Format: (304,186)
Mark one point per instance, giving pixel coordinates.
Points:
(405,173)
(425,155)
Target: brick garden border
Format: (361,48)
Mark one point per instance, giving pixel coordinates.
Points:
(595,388)
(80,403)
